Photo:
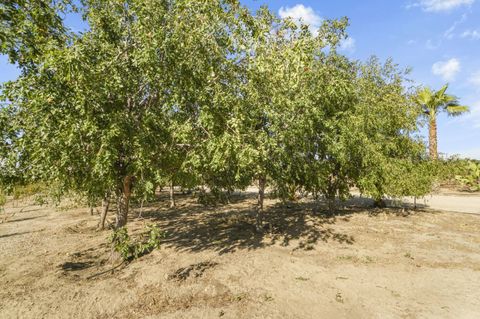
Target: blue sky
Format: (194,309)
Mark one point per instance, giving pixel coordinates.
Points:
(438,39)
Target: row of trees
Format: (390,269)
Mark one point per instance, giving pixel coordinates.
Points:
(177,92)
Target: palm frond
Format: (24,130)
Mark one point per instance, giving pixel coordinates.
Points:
(442,90)
(424,96)
(455,109)
(449,99)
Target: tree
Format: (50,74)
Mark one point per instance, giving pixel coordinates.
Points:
(205,94)
(95,116)
(382,127)
(321,160)
(432,103)
(354,120)
(266,123)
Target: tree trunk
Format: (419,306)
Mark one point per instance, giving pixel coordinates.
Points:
(103,216)
(262,181)
(91,210)
(123,201)
(331,204)
(331,195)
(432,135)
(379,203)
(141,208)
(172,194)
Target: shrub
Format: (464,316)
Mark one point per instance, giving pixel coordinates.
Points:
(447,171)
(22,191)
(130,249)
(471,176)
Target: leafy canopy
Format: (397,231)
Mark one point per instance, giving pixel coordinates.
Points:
(203,94)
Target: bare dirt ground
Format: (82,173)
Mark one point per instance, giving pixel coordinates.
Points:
(452,202)
(213,264)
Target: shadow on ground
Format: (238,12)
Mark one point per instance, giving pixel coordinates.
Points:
(365,202)
(194,227)
(23,219)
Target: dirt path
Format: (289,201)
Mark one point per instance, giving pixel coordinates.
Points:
(448,203)
(452,203)
(212,264)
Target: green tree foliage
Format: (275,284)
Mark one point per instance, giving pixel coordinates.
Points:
(184,93)
(409,178)
(30,28)
(9,171)
(100,113)
(385,122)
(272,126)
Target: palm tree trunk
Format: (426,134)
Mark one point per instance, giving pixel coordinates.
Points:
(432,135)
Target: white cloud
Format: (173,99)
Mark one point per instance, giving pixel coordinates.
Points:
(302,13)
(441,5)
(446,69)
(348,45)
(471,34)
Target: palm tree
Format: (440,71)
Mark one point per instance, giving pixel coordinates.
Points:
(433,103)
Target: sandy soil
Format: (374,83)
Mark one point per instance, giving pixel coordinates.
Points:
(212,264)
(463,203)
(455,202)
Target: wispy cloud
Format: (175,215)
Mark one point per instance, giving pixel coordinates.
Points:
(475,80)
(302,14)
(440,5)
(471,34)
(447,70)
(450,33)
